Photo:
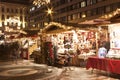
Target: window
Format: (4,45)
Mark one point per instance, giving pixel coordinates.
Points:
(16,10)
(7,23)
(3,9)
(75,6)
(8,10)
(2,23)
(68,8)
(62,1)
(21,11)
(114,6)
(94,12)
(79,15)
(89,2)
(7,16)
(16,24)
(27,12)
(21,25)
(107,9)
(119,5)
(26,19)
(12,23)
(83,14)
(69,0)
(101,10)
(75,16)
(12,10)
(63,10)
(21,18)
(70,17)
(88,13)
(71,7)
(94,1)
(3,17)
(83,4)
(63,18)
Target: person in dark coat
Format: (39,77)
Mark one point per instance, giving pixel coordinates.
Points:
(107,44)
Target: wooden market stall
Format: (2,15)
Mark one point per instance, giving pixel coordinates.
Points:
(51,39)
(111,62)
(80,42)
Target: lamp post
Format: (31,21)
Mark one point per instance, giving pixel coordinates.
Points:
(46,4)
(49,13)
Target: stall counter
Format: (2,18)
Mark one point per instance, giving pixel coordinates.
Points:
(109,65)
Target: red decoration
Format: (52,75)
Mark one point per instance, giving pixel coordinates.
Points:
(51,51)
(91,35)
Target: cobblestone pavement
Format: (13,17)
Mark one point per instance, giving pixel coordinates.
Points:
(25,70)
(77,73)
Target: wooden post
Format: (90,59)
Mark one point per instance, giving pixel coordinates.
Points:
(96,36)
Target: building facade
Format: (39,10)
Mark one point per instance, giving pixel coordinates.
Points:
(72,11)
(13,15)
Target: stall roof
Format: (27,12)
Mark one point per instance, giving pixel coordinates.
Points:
(66,26)
(54,27)
(31,32)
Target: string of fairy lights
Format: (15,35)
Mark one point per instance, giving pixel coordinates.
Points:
(41,2)
(110,15)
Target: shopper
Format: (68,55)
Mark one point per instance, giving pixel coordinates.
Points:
(67,60)
(15,56)
(16,52)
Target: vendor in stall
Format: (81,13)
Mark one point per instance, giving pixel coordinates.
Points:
(102,51)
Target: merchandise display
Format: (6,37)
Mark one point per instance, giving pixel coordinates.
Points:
(86,55)
(113,54)
(114,51)
(70,42)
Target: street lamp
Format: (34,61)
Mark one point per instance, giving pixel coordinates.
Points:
(46,4)
(49,13)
